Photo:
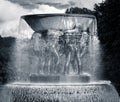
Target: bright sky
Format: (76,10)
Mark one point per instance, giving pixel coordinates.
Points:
(10,11)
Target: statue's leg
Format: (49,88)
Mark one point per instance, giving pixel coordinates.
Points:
(66,69)
(36,63)
(56,61)
(50,58)
(78,59)
(73,59)
(43,61)
(42,65)
(39,62)
(47,64)
(52,64)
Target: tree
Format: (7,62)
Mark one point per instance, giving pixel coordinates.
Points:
(108,17)
(77,10)
(5,53)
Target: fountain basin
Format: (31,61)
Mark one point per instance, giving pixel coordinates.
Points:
(40,22)
(102,91)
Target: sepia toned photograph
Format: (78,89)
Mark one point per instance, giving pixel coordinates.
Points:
(59,51)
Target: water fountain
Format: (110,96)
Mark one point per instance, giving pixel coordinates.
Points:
(57,61)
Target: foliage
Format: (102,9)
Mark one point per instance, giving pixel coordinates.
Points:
(77,10)
(108,17)
(5,52)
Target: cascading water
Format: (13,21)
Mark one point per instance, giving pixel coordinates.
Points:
(58,61)
(57,48)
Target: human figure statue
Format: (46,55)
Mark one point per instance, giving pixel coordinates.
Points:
(45,50)
(73,55)
(75,47)
(82,48)
(70,48)
(53,55)
(38,60)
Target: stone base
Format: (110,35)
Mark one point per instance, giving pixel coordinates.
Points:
(61,78)
(59,92)
(44,78)
(75,79)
